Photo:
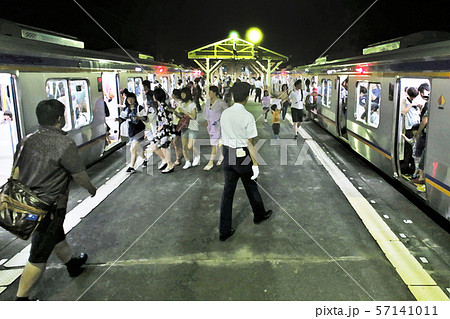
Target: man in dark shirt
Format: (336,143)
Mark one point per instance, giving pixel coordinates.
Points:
(48,161)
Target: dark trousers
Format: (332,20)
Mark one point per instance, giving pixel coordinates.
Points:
(407,166)
(276,128)
(258,95)
(234,169)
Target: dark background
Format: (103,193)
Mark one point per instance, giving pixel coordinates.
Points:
(169,29)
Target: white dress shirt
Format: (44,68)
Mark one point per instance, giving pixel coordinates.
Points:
(237,126)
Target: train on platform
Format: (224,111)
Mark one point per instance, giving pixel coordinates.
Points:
(38,64)
(373,126)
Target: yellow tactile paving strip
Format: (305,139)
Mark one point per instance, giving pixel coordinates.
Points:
(419,282)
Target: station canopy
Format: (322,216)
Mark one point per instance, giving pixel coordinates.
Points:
(236,53)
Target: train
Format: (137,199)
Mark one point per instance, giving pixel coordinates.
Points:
(384,71)
(38,64)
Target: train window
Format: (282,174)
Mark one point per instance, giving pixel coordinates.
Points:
(368,97)
(135,86)
(327,86)
(139,90)
(373,117)
(58,89)
(81,107)
(130,85)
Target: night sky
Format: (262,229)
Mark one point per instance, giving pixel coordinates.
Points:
(169,29)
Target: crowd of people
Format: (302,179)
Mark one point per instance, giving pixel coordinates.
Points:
(414,110)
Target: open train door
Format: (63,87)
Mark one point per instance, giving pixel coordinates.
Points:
(10,129)
(341,114)
(437,152)
(110,88)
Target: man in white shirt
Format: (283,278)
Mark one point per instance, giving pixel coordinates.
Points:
(296,98)
(238,128)
(258,87)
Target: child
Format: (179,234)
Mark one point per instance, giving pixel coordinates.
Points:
(265,104)
(413,142)
(276,120)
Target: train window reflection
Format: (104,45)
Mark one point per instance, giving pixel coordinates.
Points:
(58,89)
(80,102)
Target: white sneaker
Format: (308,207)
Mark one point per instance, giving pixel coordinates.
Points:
(265,120)
(187,165)
(196,161)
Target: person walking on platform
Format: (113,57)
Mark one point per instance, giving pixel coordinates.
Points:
(212,113)
(48,161)
(296,98)
(258,88)
(238,128)
(136,115)
(189,133)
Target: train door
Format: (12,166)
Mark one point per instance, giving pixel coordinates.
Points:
(437,151)
(110,88)
(10,130)
(406,153)
(341,120)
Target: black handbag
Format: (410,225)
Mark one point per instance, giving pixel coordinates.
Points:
(21,210)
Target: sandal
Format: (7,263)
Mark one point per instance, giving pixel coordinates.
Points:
(208,167)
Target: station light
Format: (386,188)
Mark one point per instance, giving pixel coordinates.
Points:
(161,70)
(254,35)
(234,35)
(138,69)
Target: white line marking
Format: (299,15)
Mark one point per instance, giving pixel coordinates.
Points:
(3,261)
(407,221)
(424,260)
(386,216)
(402,235)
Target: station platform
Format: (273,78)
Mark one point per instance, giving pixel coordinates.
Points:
(155,236)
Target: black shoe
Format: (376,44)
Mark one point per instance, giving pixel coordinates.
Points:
(263,218)
(144,164)
(130,170)
(75,264)
(295,137)
(225,236)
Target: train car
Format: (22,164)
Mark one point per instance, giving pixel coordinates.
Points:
(361,100)
(38,64)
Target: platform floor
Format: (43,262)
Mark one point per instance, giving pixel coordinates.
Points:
(156,236)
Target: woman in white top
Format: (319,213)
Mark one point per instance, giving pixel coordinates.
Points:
(188,134)
(411,116)
(212,113)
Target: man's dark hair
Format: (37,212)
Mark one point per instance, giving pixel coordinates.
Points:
(48,111)
(159,94)
(177,93)
(146,83)
(124,91)
(273,107)
(412,92)
(424,87)
(216,91)
(240,91)
(298,82)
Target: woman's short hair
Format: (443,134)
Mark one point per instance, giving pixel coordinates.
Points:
(130,95)
(215,90)
(48,111)
(185,94)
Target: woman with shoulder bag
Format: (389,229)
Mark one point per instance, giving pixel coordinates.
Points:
(135,115)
